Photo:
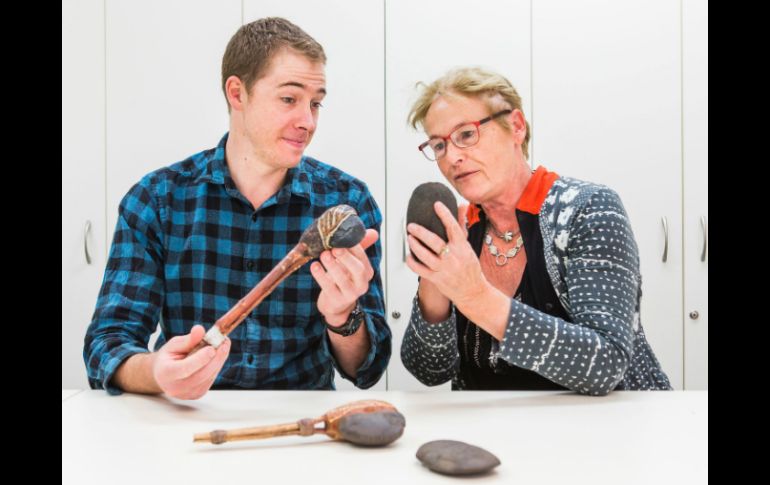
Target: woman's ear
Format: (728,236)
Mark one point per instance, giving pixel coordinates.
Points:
(518,126)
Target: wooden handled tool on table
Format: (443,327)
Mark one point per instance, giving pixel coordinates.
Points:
(338,227)
(366,423)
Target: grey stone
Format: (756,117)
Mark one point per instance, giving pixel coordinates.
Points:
(456,458)
(372,429)
(421,211)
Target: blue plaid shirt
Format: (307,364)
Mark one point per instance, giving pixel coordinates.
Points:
(188,246)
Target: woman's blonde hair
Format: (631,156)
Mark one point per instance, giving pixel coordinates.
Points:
(492,88)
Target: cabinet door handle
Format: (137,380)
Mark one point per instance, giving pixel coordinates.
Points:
(405,244)
(664,220)
(704,228)
(86,233)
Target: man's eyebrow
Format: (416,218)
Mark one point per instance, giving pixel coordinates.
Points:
(301,86)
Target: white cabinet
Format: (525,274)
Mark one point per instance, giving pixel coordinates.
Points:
(607,108)
(615,92)
(82,184)
(164,95)
(424,39)
(695,224)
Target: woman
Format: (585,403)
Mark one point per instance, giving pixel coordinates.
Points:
(538,286)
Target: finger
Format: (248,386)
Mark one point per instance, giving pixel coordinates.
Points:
(361,272)
(208,373)
(323,279)
(453,230)
(425,255)
(430,240)
(359,252)
(417,268)
(339,274)
(183,344)
(462,217)
(370,238)
(184,368)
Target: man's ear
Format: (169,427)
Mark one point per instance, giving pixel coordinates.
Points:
(234,89)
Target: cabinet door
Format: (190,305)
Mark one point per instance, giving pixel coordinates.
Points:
(164,95)
(424,40)
(607,108)
(82,183)
(350,133)
(696,276)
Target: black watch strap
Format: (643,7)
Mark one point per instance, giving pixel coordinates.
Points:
(355,319)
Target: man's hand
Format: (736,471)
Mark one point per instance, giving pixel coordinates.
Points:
(185,376)
(343,276)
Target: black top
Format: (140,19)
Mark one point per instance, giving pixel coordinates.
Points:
(479,369)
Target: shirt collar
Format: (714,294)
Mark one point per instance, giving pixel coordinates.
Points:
(298,179)
(531,199)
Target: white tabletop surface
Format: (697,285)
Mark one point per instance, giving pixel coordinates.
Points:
(540,437)
(67,393)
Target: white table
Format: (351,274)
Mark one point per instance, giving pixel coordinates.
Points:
(540,437)
(68,393)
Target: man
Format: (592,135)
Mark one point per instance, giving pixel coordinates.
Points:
(194,238)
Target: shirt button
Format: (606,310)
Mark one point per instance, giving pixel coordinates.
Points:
(254,217)
(250,265)
(251,359)
(548,306)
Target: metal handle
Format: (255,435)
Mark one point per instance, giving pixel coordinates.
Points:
(405,245)
(704,227)
(86,233)
(664,220)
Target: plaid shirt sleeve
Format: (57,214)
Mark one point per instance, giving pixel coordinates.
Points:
(373,304)
(131,295)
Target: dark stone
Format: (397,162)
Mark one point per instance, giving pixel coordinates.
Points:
(421,211)
(350,233)
(372,429)
(456,458)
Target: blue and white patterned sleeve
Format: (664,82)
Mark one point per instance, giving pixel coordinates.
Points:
(591,354)
(429,350)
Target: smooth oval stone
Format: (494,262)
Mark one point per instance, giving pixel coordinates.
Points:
(372,429)
(421,211)
(456,458)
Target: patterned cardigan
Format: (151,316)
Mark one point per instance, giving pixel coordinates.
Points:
(593,264)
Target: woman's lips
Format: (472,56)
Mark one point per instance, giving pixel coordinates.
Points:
(465,175)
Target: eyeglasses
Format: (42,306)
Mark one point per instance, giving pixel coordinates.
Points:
(463,137)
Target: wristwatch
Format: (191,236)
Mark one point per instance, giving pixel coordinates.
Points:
(355,319)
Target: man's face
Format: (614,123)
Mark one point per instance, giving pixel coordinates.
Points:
(280,113)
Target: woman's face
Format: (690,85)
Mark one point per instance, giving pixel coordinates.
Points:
(479,172)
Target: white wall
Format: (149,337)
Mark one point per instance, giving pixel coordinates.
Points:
(616,92)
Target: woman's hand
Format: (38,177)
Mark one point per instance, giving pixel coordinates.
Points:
(451,267)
